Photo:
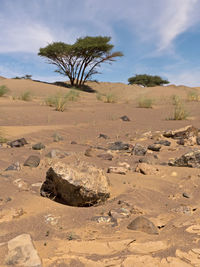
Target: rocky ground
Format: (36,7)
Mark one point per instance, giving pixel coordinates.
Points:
(99,184)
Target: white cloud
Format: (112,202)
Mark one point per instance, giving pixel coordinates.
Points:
(188,77)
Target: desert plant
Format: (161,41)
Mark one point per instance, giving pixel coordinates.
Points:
(99,96)
(58,101)
(193,96)
(3,90)
(147,80)
(25,96)
(180,113)
(73,95)
(176,100)
(145,102)
(110,98)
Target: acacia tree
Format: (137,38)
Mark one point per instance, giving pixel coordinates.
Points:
(147,80)
(79,61)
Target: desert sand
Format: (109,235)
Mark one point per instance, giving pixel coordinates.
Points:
(64,235)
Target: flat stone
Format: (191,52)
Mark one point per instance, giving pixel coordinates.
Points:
(144,225)
(105,156)
(14,167)
(104,136)
(38,146)
(21,252)
(154,147)
(32,161)
(119,146)
(80,184)
(18,143)
(117,170)
(125,118)
(146,169)
(185,132)
(163,142)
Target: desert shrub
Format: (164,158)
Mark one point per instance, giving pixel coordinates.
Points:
(25,96)
(58,101)
(180,113)
(110,98)
(145,102)
(3,90)
(99,96)
(193,96)
(147,80)
(72,95)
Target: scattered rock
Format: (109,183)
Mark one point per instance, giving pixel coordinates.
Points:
(21,252)
(125,118)
(80,184)
(146,169)
(154,147)
(57,137)
(139,150)
(198,140)
(14,167)
(18,143)
(144,225)
(186,195)
(120,213)
(102,219)
(117,170)
(32,161)
(23,186)
(184,133)
(189,159)
(105,156)
(163,142)
(38,146)
(183,209)
(119,146)
(104,136)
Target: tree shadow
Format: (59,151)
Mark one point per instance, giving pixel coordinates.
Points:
(84,88)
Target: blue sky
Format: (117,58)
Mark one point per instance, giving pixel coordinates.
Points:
(158,37)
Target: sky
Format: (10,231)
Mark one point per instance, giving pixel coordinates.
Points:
(157,37)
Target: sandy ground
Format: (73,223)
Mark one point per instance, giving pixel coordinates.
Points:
(70,237)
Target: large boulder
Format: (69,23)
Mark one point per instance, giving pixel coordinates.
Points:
(182,133)
(189,159)
(80,184)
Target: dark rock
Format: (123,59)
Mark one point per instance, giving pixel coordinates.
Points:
(105,156)
(163,142)
(76,185)
(189,159)
(73,143)
(139,150)
(18,143)
(119,146)
(149,159)
(186,195)
(14,167)
(184,133)
(117,170)
(57,137)
(125,118)
(198,140)
(104,136)
(144,225)
(32,161)
(38,146)
(154,147)
(181,142)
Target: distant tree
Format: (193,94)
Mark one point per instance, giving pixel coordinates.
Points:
(147,80)
(79,61)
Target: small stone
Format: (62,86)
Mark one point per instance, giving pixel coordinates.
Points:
(163,142)
(144,225)
(18,143)
(139,150)
(52,154)
(154,147)
(125,118)
(198,140)
(23,186)
(57,137)
(146,169)
(90,152)
(14,167)
(181,142)
(32,161)
(73,143)
(102,219)
(117,170)
(119,213)
(105,156)
(38,146)
(186,195)
(119,146)
(104,136)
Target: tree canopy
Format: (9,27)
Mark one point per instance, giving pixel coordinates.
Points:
(79,61)
(147,80)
